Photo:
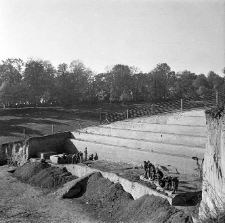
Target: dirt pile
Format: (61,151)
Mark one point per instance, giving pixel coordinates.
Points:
(43,175)
(113,204)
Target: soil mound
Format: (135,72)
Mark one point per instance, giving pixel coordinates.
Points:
(28,170)
(107,196)
(43,175)
(113,204)
(150,208)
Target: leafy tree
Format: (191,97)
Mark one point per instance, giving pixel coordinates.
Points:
(34,78)
(159,81)
(10,81)
(119,80)
(215,81)
(126,96)
(184,84)
(79,76)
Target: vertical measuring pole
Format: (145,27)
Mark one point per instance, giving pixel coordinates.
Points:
(127,114)
(52,129)
(181,104)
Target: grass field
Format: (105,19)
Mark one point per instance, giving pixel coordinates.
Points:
(39,121)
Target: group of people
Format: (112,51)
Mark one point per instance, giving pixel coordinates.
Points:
(154,173)
(80,157)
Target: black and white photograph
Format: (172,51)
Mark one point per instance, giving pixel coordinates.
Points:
(112,111)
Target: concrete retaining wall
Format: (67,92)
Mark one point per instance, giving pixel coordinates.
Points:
(160,147)
(164,128)
(173,119)
(136,156)
(169,138)
(21,151)
(137,190)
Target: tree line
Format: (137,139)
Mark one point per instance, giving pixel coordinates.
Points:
(38,82)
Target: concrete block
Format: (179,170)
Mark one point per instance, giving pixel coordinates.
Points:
(58,159)
(45,155)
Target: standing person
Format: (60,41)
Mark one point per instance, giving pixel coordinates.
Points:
(73,158)
(169,183)
(175,183)
(159,174)
(91,157)
(146,169)
(77,158)
(81,157)
(85,154)
(96,156)
(153,172)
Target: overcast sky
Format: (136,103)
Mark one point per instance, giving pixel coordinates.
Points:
(187,35)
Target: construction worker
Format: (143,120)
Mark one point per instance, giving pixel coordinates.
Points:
(96,156)
(152,172)
(169,183)
(73,158)
(81,157)
(174,183)
(159,174)
(146,169)
(91,157)
(85,154)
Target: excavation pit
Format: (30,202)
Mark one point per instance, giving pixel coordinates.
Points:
(129,177)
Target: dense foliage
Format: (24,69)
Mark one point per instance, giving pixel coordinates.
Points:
(38,82)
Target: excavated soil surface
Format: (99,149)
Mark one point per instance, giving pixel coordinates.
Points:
(113,204)
(187,183)
(43,175)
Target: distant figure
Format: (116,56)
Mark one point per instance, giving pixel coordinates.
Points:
(85,154)
(69,158)
(152,172)
(91,157)
(77,158)
(159,174)
(146,169)
(96,156)
(64,158)
(162,183)
(81,157)
(169,183)
(174,186)
(73,158)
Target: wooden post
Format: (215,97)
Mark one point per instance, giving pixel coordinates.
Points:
(181,104)
(127,113)
(52,129)
(152,109)
(100,118)
(217,102)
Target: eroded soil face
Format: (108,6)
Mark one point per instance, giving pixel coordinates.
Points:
(20,202)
